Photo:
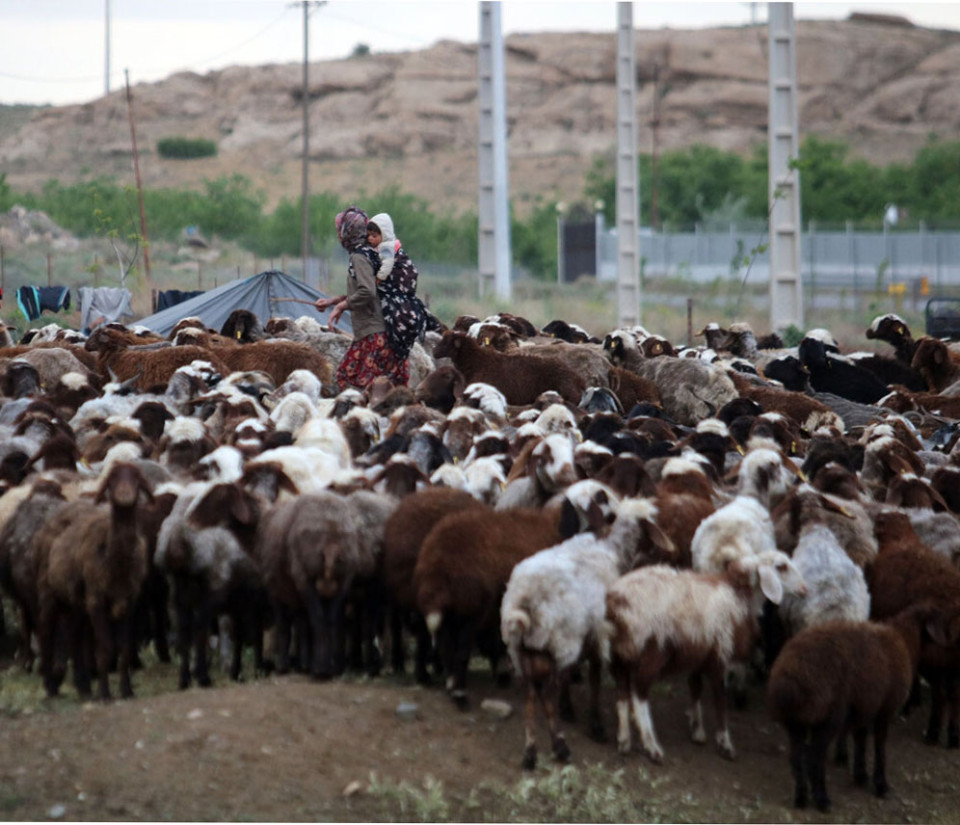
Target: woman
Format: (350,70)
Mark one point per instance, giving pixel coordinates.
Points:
(370,354)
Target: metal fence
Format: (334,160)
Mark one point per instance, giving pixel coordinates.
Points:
(849,259)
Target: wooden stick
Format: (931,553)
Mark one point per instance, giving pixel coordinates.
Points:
(295,300)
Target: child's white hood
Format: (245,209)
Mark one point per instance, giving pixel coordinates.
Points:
(385,222)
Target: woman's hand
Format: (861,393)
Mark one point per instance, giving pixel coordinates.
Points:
(338,310)
(322,303)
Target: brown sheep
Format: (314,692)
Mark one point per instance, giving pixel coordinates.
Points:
(845,675)
(150,367)
(278,359)
(91,564)
(462,570)
(906,573)
(521,378)
(936,363)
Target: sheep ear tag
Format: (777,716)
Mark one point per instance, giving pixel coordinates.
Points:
(239,333)
(770,584)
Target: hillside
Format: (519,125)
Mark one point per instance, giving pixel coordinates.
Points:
(411,118)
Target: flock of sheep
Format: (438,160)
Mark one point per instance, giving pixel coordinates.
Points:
(538,496)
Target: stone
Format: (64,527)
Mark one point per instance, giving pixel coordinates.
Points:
(408,711)
(496,708)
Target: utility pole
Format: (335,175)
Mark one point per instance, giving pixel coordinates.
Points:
(655,156)
(136,173)
(307,6)
(628,187)
(786,284)
(106,51)
(494,197)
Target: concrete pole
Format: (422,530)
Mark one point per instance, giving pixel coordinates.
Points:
(786,286)
(494,242)
(106,50)
(628,190)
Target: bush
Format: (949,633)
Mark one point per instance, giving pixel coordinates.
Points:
(182,148)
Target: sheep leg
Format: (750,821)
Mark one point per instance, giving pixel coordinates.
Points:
(321,665)
(203,621)
(126,643)
(953,710)
(597,731)
(798,735)
(237,620)
(860,776)
(567,713)
(424,651)
(621,677)
(880,727)
(462,646)
(24,651)
(77,644)
(695,715)
(719,690)
(47,633)
(159,596)
(841,756)
(184,633)
(103,642)
(817,765)
(529,728)
(935,722)
(397,651)
(641,713)
(281,639)
(371,623)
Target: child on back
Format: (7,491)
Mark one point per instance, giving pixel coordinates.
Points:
(381,237)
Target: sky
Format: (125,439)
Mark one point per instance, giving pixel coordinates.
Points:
(54,51)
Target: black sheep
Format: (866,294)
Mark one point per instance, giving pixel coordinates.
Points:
(838,376)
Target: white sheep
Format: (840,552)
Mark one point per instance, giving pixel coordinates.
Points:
(662,621)
(836,587)
(554,607)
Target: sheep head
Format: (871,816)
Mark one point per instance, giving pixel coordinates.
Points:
(122,486)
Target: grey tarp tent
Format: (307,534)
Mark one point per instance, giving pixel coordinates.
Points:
(254,294)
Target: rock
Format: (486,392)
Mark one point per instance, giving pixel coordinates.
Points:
(408,711)
(352,789)
(196,713)
(496,708)
(57,812)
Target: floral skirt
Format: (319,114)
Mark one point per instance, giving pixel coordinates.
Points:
(369,357)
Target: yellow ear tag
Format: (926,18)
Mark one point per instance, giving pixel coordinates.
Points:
(900,330)
(793,446)
(740,449)
(486,342)
(239,334)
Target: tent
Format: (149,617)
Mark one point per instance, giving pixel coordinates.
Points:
(255,294)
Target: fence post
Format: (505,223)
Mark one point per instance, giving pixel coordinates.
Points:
(852,253)
(689,322)
(199,276)
(96,271)
(3,273)
(49,269)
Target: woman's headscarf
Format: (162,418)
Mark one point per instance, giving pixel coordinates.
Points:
(351,228)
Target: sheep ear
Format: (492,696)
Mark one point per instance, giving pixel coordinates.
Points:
(595,519)
(939,355)
(658,539)
(827,504)
(770,584)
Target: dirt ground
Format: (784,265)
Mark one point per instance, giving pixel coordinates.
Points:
(289,748)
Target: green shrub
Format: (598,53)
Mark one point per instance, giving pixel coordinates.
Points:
(182,148)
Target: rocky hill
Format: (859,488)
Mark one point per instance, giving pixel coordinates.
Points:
(411,118)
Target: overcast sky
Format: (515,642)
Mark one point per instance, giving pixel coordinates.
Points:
(53,51)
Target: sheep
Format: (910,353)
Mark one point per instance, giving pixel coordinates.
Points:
(938,366)
(684,499)
(907,573)
(462,569)
(832,374)
(547,467)
(889,371)
(836,587)
(554,605)
(690,390)
(404,532)
(848,520)
(845,675)
(311,552)
(521,378)
(894,330)
(149,367)
(441,389)
(92,563)
(30,508)
(661,620)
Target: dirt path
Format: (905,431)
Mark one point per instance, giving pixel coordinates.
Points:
(288,749)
